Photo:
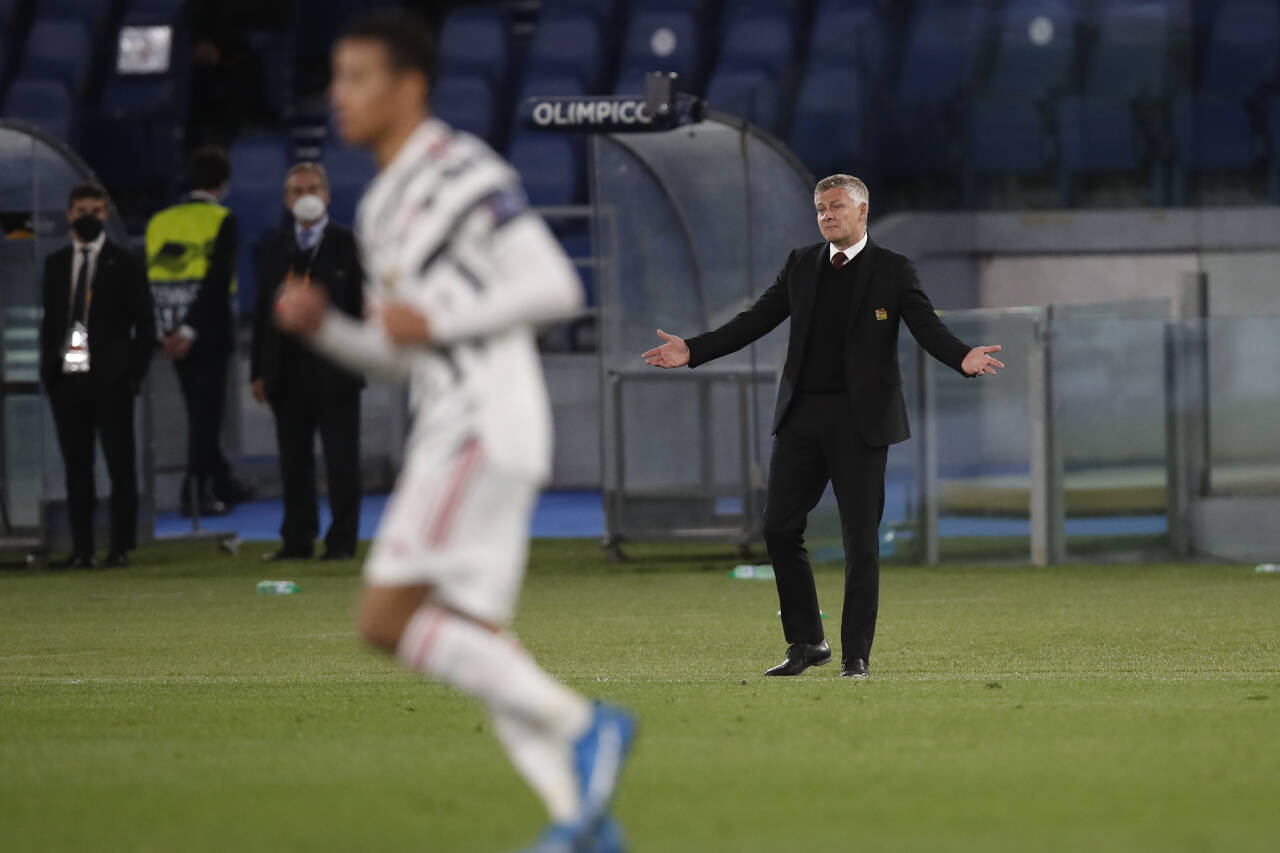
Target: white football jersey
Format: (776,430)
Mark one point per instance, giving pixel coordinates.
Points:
(446,228)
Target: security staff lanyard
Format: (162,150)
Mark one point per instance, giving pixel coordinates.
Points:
(311,259)
(85,260)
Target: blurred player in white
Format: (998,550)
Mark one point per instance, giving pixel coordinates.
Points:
(460,272)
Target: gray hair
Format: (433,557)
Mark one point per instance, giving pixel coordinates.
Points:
(856,189)
(308,166)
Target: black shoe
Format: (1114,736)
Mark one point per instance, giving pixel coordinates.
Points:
(75,561)
(234,491)
(338,555)
(801,656)
(286,554)
(116,560)
(856,668)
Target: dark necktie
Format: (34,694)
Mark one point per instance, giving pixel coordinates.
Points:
(79,298)
(838,259)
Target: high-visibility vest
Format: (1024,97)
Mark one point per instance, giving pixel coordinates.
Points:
(180,241)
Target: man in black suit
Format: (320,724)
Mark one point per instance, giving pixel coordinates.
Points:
(307,392)
(96,337)
(839,407)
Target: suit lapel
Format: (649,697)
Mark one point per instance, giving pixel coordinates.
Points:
(101,275)
(60,303)
(862,280)
(802,311)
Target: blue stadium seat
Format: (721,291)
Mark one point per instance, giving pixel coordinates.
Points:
(1133,57)
(749,93)
(1035,49)
(45,103)
(941,52)
(1243,49)
(1006,137)
(918,137)
(851,29)
(466,103)
(350,171)
(829,130)
(569,44)
(1213,134)
(137,134)
(92,12)
(59,49)
(542,84)
(660,41)
(758,39)
(550,166)
(1097,135)
(474,43)
(258,166)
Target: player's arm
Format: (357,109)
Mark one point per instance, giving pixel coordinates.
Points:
(359,345)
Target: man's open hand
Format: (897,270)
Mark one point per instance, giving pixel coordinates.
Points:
(674,353)
(301,306)
(979,361)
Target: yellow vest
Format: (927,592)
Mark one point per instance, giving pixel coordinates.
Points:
(180,242)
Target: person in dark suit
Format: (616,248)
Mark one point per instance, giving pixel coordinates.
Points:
(307,392)
(96,338)
(191,262)
(839,407)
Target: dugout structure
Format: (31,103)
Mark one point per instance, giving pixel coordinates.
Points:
(37,173)
(689,226)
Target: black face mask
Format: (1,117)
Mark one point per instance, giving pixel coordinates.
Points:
(87,227)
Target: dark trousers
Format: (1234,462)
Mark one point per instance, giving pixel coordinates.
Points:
(203,378)
(82,409)
(299,416)
(818,442)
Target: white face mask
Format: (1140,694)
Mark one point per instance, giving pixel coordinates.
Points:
(309,208)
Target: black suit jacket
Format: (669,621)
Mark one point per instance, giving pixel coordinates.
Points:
(337,267)
(886,289)
(122,332)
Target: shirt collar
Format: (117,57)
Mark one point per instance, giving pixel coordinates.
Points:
(318,228)
(202,195)
(849,253)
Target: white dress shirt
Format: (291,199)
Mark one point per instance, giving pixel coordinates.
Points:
(849,253)
(77,261)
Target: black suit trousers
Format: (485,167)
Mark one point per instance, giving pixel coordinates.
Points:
(202,376)
(299,416)
(83,409)
(818,442)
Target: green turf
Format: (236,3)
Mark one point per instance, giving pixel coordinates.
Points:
(169,708)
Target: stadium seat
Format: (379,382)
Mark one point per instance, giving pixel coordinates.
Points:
(258,166)
(1133,57)
(1101,135)
(59,49)
(660,41)
(92,12)
(829,130)
(137,133)
(1211,134)
(747,93)
(45,103)
(1006,137)
(466,103)
(550,166)
(1243,49)
(350,170)
(545,84)
(1035,50)
(474,43)
(758,39)
(941,51)
(851,29)
(569,44)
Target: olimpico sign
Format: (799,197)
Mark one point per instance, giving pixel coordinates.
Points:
(661,107)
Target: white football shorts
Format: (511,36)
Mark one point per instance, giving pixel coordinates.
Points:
(456,523)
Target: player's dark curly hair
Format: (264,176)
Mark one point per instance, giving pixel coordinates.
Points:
(409,43)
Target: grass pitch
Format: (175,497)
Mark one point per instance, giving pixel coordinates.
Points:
(168,707)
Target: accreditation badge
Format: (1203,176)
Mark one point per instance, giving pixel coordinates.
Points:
(76,357)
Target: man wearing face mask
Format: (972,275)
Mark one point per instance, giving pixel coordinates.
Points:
(308,393)
(96,337)
(191,262)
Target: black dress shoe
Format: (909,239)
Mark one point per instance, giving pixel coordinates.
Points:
(855,668)
(286,554)
(338,555)
(801,656)
(116,560)
(234,491)
(75,561)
